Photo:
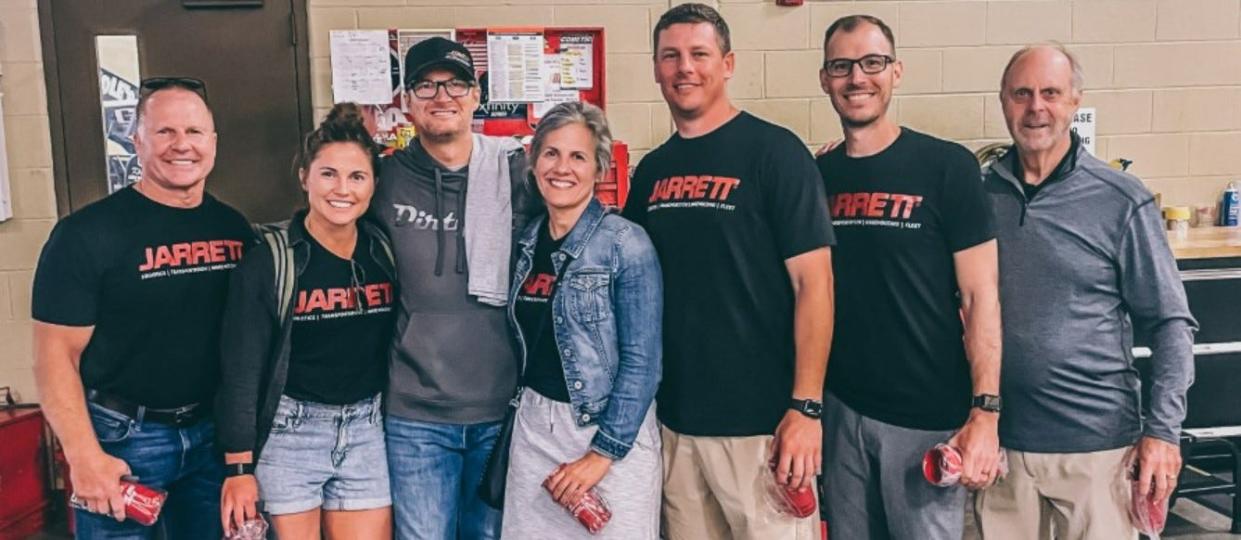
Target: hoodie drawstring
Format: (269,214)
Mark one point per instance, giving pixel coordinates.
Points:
(461,228)
(439,228)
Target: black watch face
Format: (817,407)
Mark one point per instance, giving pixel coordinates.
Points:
(814,408)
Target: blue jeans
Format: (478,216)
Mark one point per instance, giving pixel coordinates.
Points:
(435,471)
(181,461)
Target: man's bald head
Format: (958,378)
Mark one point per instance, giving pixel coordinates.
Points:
(1047,52)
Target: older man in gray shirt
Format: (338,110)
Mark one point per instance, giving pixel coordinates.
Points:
(1084,263)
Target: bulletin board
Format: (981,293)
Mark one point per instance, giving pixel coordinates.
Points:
(535,68)
(557,64)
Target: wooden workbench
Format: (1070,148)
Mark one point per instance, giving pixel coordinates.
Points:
(1207,243)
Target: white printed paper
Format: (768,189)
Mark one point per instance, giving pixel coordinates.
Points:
(515,67)
(577,66)
(553,93)
(360,69)
(1084,123)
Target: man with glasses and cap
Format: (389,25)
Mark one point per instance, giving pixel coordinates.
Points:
(916,355)
(451,202)
(127,300)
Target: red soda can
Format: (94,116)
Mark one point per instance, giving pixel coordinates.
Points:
(942,464)
(591,510)
(1147,516)
(789,500)
(142,502)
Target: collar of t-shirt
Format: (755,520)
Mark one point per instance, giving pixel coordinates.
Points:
(1062,170)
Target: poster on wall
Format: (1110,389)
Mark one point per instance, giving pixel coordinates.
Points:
(1084,123)
(118,99)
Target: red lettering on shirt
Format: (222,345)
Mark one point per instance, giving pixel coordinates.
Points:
(693,188)
(331,299)
(539,285)
(190,254)
(873,205)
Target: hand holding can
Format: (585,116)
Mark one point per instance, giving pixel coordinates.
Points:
(942,465)
(142,503)
(591,510)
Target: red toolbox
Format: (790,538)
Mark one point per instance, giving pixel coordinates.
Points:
(24,493)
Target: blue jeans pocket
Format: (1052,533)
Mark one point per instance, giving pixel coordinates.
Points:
(110,426)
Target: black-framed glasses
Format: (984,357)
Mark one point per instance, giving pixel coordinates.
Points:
(870,64)
(453,87)
(151,85)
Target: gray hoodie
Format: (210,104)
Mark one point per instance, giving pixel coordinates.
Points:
(1083,263)
(452,359)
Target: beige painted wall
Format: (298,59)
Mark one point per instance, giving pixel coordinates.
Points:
(30,174)
(1165,76)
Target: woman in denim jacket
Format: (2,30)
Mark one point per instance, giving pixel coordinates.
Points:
(586,307)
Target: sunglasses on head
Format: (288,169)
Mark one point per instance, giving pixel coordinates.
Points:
(155,84)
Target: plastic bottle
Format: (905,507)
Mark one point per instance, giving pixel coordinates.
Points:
(1230,206)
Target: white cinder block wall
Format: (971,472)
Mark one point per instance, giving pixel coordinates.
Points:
(1165,76)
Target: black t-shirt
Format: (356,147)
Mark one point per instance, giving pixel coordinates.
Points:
(544,372)
(725,210)
(900,215)
(342,327)
(152,280)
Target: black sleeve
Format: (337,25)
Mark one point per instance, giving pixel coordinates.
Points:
(67,281)
(796,203)
(967,216)
(639,192)
(527,203)
(247,329)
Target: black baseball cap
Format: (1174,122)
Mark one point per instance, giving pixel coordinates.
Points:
(438,52)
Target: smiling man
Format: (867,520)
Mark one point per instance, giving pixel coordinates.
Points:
(453,368)
(1084,263)
(127,297)
(916,360)
(735,209)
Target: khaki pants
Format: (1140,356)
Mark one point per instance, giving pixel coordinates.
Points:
(712,491)
(1081,496)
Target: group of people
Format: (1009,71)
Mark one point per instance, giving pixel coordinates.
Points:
(753,315)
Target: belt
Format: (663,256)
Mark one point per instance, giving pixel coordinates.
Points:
(179,417)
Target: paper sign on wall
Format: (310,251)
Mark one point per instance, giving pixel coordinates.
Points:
(515,67)
(361,71)
(1084,123)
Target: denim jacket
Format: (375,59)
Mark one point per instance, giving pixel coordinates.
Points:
(607,322)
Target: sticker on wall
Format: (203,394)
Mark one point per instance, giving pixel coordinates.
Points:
(118,99)
(1084,123)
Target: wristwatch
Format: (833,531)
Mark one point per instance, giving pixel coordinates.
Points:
(238,469)
(809,407)
(986,402)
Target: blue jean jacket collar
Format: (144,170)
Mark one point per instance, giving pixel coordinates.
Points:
(577,239)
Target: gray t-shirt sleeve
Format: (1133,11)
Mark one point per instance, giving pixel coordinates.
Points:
(1151,287)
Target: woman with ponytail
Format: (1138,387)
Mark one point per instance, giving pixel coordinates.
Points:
(304,345)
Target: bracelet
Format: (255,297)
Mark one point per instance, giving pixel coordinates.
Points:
(238,469)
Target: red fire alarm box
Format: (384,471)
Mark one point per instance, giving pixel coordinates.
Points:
(24,492)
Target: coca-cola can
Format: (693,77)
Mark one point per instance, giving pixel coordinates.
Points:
(942,465)
(591,511)
(142,503)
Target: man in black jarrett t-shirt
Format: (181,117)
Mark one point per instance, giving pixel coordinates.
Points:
(915,271)
(127,300)
(734,207)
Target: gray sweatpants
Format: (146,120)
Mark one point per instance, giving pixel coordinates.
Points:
(873,484)
(544,436)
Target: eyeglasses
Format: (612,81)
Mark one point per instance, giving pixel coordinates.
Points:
(870,64)
(453,87)
(155,84)
(356,286)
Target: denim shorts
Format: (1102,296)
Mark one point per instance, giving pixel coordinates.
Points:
(324,456)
